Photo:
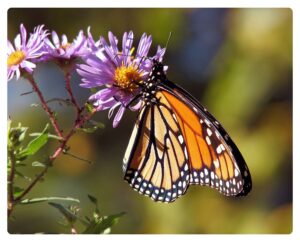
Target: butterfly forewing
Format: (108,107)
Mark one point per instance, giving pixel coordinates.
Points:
(215,160)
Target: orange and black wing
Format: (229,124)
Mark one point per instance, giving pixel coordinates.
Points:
(214,159)
(176,142)
(156,162)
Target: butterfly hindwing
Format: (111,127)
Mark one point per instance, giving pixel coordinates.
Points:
(156,162)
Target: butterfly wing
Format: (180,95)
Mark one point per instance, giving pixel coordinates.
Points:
(214,159)
(156,162)
(176,142)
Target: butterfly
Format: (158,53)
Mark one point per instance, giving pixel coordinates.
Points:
(176,142)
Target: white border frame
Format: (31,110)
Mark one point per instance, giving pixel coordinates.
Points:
(293,4)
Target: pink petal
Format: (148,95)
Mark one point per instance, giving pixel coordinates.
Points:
(18,42)
(55,39)
(118,116)
(23,35)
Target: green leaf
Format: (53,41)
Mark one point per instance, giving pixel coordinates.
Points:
(35,144)
(97,124)
(51,136)
(38,164)
(93,199)
(89,107)
(19,174)
(93,90)
(67,213)
(88,130)
(34,105)
(8,126)
(17,191)
(44,199)
(16,135)
(102,225)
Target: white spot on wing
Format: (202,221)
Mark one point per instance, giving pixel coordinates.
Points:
(236,172)
(216,163)
(207,122)
(219,149)
(209,132)
(205,171)
(185,153)
(174,116)
(208,140)
(180,138)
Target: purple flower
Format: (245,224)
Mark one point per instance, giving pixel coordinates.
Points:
(24,53)
(119,71)
(62,49)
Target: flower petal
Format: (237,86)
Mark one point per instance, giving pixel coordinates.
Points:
(10,47)
(17,42)
(55,39)
(28,66)
(127,44)
(23,35)
(118,116)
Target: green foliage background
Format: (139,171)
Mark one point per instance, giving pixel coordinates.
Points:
(237,62)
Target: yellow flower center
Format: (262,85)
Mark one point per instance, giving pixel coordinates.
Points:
(15,58)
(65,46)
(127,77)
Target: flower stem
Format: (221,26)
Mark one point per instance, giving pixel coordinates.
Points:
(57,152)
(10,183)
(45,106)
(70,92)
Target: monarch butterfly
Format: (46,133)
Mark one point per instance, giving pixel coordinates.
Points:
(176,142)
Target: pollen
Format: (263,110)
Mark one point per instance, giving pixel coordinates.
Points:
(65,46)
(127,77)
(15,58)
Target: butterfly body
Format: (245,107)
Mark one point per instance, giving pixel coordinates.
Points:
(176,142)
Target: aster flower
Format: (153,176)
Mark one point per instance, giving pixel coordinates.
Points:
(64,50)
(118,71)
(21,56)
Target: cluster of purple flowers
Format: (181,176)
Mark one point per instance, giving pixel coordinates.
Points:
(117,72)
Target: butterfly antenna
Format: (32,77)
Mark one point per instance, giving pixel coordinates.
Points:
(168,40)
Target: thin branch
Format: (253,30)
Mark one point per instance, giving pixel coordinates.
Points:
(70,92)
(58,151)
(60,101)
(45,106)
(77,157)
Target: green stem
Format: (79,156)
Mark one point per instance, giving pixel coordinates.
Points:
(10,183)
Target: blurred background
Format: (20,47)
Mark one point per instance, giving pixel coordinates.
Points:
(236,62)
